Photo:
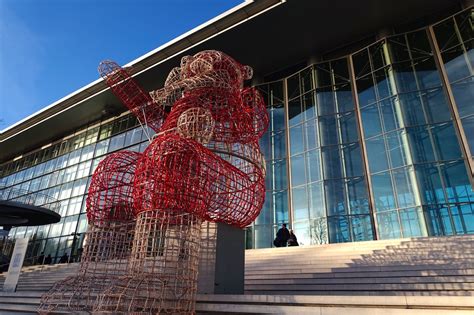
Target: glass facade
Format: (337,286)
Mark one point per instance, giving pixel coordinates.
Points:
(63,171)
(377,144)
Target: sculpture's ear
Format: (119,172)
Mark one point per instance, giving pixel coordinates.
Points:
(185,60)
(247,72)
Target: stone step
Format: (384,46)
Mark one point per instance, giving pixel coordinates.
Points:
(22,300)
(335,263)
(28,294)
(364,287)
(418,273)
(386,255)
(289,269)
(352,268)
(18,307)
(391,280)
(354,256)
(458,248)
(231,308)
(404,252)
(332,305)
(437,293)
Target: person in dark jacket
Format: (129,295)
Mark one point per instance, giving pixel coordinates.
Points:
(40,259)
(293,241)
(48,260)
(64,259)
(282,236)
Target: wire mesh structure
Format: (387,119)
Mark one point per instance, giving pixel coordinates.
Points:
(131,94)
(163,267)
(108,240)
(204,164)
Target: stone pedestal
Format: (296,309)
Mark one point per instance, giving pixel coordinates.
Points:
(222,259)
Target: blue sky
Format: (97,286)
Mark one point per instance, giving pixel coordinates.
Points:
(50,48)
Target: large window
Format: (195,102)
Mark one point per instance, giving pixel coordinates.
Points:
(454,38)
(63,172)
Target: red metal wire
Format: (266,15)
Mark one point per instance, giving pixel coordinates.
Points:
(110,197)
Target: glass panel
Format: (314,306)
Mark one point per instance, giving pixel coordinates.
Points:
(309,105)
(278,142)
(325,100)
(117,142)
(456,63)
(313,164)
(296,139)
(361,63)
(421,145)
(398,149)
(463,92)
(429,183)
(458,187)
(383,192)
(382,81)
(358,196)
(438,221)
(376,154)
(279,174)
(398,48)
(446,141)
(344,99)
(311,135)
(389,114)
(318,229)
(365,90)
(316,200)
(338,229)
(323,74)
(340,70)
(388,225)
(295,113)
(280,204)
(332,162)
(298,170)
(328,130)
(405,184)
(293,86)
(361,228)
(371,121)
(300,203)
(427,74)
(277,118)
(335,197)
(306,79)
(353,160)
(348,127)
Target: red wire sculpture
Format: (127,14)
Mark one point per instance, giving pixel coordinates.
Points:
(108,240)
(131,94)
(205,164)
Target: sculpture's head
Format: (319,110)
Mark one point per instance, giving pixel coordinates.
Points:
(214,81)
(217,66)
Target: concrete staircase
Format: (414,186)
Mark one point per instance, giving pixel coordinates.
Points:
(437,266)
(418,276)
(33,282)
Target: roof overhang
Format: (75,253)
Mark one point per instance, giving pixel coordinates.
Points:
(266,34)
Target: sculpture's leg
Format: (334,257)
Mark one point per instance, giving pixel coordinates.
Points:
(163,268)
(105,259)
